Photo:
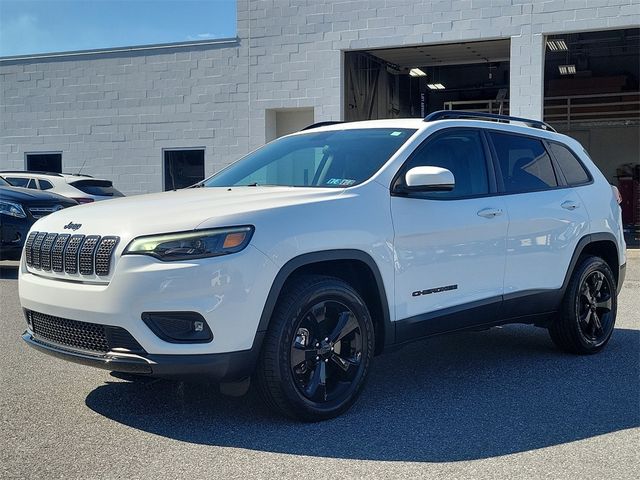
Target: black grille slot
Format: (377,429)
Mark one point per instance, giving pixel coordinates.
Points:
(86,254)
(81,335)
(28,248)
(71,254)
(57,252)
(103,255)
(45,251)
(37,245)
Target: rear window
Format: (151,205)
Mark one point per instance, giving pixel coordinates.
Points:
(571,167)
(96,187)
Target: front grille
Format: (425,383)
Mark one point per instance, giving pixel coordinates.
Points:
(70,253)
(39,212)
(77,335)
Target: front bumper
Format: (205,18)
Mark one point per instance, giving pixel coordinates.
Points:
(229,292)
(220,367)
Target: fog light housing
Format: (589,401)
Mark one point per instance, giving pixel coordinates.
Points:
(178,327)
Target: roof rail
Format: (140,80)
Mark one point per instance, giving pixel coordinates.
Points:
(32,172)
(454,114)
(321,124)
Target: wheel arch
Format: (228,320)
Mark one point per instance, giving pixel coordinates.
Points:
(357,268)
(603,245)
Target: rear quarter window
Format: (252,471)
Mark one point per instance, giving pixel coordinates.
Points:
(572,169)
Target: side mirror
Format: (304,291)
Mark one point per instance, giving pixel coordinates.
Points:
(429,179)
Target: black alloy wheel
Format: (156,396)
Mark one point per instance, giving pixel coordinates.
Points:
(326,352)
(588,314)
(594,306)
(317,350)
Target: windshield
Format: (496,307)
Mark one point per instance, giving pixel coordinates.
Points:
(4,183)
(338,158)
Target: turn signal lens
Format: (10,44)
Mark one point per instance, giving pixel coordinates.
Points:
(234,240)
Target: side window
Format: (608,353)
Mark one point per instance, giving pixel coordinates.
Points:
(524,162)
(32,184)
(461,152)
(571,167)
(17,181)
(45,185)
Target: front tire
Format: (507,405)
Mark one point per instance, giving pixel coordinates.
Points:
(588,313)
(317,351)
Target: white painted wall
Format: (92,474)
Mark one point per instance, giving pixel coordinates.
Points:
(117,111)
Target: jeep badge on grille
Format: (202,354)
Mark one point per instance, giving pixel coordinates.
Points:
(72,226)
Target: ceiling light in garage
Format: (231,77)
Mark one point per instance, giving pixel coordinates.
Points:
(557,45)
(436,86)
(416,72)
(567,69)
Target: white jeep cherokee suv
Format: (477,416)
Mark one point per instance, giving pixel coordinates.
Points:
(298,263)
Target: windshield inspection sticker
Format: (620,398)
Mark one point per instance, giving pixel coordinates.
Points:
(343,182)
(395,134)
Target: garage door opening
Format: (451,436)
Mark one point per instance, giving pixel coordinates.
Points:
(414,81)
(592,93)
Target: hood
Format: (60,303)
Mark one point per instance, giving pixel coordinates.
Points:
(20,194)
(179,210)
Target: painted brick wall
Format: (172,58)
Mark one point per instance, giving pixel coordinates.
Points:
(116,112)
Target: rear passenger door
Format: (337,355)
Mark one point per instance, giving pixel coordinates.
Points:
(546,216)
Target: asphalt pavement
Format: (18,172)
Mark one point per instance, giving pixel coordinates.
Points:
(502,403)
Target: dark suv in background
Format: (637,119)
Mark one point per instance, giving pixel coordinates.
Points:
(19,209)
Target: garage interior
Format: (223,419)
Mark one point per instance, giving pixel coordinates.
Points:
(414,81)
(591,92)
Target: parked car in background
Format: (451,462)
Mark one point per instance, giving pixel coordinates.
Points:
(19,209)
(81,188)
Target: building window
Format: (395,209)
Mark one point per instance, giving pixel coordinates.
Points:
(44,162)
(183,168)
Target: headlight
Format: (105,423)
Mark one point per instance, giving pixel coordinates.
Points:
(12,209)
(191,245)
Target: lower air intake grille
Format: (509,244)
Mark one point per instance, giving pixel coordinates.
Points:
(81,335)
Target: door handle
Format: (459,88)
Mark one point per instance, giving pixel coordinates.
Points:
(569,205)
(490,212)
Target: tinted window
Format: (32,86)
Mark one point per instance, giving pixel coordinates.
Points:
(32,184)
(337,158)
(45,185)
(96,187)
(571,167)
(17,181)
(525,164)
(462,153)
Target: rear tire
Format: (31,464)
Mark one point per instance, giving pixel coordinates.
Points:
(317,351)
(589,307)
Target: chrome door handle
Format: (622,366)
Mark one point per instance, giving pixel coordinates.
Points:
(490,212)
(569,205)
